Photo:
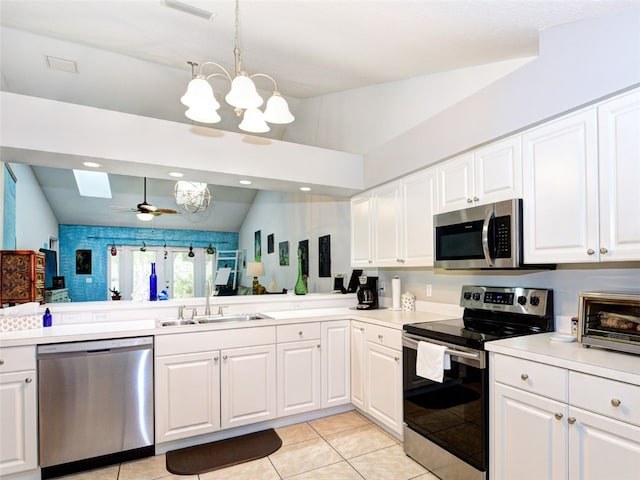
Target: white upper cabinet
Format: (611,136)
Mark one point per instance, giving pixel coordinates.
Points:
(619,170)
(560,199)
(419,205)
(486,175)
(361,233)
(387,241)
(581,176)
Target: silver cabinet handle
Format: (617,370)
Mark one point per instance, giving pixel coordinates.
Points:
(469,200)
(591,251)
(1,361)
(362,329)
(380,337)
(28,380)
(215,359)
(318,345)
(397,359)
(615,402)
(476,199)
(224,357)
(603,250)
(558,416)
(524,377)
(571,420)
(300,333)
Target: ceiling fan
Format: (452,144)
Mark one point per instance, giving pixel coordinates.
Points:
(145,211)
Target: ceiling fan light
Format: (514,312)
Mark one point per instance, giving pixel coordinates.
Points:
(277,110)
(243,93)
(198,91)
(253,121)
(144,217)
(203,113)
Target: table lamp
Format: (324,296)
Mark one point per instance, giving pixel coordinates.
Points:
(255,269)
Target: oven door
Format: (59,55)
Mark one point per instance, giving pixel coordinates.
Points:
(453,414)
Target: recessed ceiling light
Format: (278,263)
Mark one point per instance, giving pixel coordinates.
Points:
(176,174)
(91,164)
(245,182)
(305,189)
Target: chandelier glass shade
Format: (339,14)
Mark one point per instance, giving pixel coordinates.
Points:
(243,95)
(194,197)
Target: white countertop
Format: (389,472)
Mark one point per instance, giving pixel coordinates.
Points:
(624,367)
(118,329)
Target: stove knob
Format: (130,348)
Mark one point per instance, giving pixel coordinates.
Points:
(476,296)
(535,301)
(522,300)
(467,295)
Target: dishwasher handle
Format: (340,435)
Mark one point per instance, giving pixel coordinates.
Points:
(95,346)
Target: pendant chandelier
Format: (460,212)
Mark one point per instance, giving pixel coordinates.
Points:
(243,96)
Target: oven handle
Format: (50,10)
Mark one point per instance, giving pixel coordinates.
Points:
(412,342)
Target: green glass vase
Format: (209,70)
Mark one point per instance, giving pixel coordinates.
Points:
(301,286)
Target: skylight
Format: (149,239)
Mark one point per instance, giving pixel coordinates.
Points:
(92,184)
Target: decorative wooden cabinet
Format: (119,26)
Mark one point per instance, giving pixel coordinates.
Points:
(21,276)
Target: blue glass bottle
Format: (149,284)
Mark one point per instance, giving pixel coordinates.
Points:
(153,284)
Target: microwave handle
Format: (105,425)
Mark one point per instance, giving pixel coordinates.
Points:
(485,237)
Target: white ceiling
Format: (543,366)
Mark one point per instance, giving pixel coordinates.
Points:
(131,55)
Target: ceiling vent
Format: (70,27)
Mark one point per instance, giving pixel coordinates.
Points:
(61,64)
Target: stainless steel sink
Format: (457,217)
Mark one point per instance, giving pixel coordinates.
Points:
(209,319)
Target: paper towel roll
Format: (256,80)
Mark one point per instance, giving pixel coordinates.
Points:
(395,293)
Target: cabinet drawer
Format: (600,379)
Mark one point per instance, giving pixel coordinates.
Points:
(206,341)
(388,337)
(532,376)
(601,395)
(15,359)
(297,332)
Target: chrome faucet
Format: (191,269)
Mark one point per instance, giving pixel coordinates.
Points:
(220,310)
(181,312)
(207,308)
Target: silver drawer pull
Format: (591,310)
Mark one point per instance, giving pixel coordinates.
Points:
(615,402)
(524,377)
(558,416)
(591,251)
(224,357)
(603,250)
(300,333)
(1,361)
(571,420)
(215,359)
(379,337)
(28,380)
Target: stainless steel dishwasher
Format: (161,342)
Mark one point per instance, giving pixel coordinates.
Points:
(95,403)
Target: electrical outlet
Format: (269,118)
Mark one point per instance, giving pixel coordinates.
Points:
(429,292)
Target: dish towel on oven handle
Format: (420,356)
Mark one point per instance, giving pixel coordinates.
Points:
(432,361)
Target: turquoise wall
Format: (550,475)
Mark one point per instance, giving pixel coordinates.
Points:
(98,239)
(9,212)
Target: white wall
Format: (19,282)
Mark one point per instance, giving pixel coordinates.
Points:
(295,217)
(35,221)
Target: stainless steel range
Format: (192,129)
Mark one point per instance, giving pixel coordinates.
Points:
(446,424)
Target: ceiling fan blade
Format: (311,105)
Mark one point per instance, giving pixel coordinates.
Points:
(167,210)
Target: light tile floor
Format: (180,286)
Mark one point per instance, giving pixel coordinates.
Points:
(341,447)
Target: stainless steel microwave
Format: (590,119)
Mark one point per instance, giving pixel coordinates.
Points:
(484,237)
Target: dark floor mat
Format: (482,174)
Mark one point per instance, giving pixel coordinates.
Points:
(223,453)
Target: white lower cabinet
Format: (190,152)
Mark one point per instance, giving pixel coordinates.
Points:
(549,422)
(335,361)
(187,395)
(376,373)
(248,385)
(298,375)
(18,410)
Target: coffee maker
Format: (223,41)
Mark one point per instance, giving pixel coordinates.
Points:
(367,293)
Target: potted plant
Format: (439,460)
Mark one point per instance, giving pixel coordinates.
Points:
(115,294)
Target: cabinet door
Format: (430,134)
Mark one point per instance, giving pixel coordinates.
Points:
(455,183)
(386,225)
(361,234)
(383,385)
(357,364)
(335,363)
(18,414)
(497,171)
(247,385)
(530,436)
(419,205)
(560,191)
(298,377)
(600,447)
(619,163)
(187,395)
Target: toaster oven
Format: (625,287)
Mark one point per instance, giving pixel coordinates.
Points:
(610,320)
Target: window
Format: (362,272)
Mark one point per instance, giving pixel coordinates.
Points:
(180,275)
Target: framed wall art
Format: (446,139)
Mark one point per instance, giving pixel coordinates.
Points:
(83,262)
(283,252)
(324,256)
